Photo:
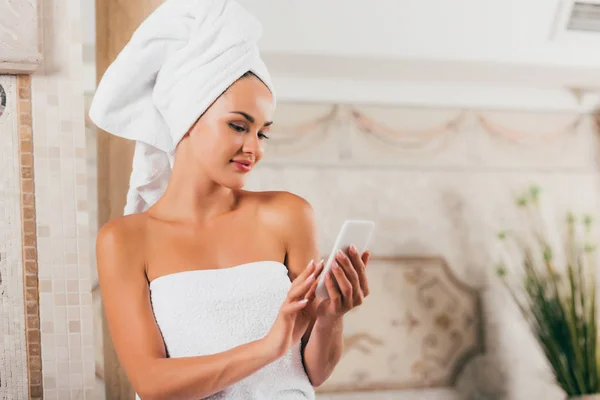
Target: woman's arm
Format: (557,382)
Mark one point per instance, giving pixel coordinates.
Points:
(322,343)
(136,336)
(346,284)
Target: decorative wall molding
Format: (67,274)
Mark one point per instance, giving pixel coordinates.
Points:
(19,51)
(340,135)
(417,330)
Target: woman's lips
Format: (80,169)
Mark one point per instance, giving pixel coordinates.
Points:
(242,166)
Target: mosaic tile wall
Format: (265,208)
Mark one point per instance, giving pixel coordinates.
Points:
(62,206)
(29,237)
(13,351)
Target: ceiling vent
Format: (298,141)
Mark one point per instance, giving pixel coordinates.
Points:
(584,17)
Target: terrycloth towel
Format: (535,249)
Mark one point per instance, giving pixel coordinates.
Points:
(177,63)
(204,312)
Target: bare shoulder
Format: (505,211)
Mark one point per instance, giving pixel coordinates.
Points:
(290,216)
(121,239)
(285,206)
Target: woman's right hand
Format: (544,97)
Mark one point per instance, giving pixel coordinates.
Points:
(293,319)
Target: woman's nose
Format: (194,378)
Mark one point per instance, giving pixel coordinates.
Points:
(251,144)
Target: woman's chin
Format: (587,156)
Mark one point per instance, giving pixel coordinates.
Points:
(236,183)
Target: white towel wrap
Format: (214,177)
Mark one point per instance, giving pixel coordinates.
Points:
(177,63)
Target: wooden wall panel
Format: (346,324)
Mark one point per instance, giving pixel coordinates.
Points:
(116,20)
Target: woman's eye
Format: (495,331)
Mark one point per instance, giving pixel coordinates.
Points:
(262,136)
(237,128)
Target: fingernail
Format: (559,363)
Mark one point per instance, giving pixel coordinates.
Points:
(303,301)
(310,277)
(353,249)
(340,254)
(336,265)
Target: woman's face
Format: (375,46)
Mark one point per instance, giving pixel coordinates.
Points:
(229,139)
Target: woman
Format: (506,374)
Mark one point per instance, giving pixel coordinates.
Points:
(209,290)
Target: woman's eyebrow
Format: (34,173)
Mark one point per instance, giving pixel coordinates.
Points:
(250,118)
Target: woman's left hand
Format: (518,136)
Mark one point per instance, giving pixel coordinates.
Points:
(346,284)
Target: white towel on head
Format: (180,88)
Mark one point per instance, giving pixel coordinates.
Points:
(177,63)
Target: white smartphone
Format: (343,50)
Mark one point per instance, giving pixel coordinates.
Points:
(353,232)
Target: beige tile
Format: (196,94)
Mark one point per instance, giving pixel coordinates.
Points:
(85,285)
(75,340)
(74,326)
(72,271)
(59,286)
(72,299)
(87,339)
(80,179)
(50,394)
(54,152)
(66,127)
(43,231)
(72,286)
(64,394)
(45,285)
(61,341)
(71,258)
(73,312)
(49,382)
(52,100)
(60,300)
(48,327)
(75,353)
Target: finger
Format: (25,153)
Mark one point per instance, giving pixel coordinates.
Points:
(344,284)
(310,268)
(361,269)
(333,290)
(301,289)
(298,291)
(319,268)
(366,256)
(304,274)
(311,292)
(295,306)
(350,267)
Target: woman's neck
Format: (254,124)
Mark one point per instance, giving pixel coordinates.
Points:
(194,198)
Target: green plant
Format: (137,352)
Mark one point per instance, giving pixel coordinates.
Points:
(556,295)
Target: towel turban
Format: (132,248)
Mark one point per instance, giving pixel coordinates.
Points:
(177,63)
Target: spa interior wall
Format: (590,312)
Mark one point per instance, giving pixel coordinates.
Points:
(46,304)
(438,178)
